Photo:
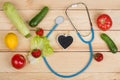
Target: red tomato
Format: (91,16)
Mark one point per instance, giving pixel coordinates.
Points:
(98,57)
(40,32)
(104,22)
(18,61)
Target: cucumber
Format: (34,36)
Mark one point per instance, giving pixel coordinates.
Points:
(18,22)
(111,45)
(39,17)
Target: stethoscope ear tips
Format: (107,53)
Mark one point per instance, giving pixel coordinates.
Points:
(74,5)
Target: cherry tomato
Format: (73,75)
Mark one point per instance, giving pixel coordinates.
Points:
(40,32)
(36,53)
(18,61)
(104,22)
(98,57)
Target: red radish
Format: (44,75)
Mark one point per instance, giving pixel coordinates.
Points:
(18,61)
(36,53)
(40,32)
(98,57)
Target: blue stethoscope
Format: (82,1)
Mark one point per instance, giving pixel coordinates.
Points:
(59,20)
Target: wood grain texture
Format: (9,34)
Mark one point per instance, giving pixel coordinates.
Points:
(63,61)
(49,21)
(77,45)
(60,4)
(69,62)
(50,76)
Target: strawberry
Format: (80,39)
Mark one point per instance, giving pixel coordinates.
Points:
(36,53)
(40,32)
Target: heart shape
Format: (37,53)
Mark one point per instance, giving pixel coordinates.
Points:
(65,41)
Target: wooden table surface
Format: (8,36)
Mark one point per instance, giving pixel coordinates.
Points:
(63,61)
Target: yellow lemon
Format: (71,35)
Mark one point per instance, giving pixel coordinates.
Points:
(11,41)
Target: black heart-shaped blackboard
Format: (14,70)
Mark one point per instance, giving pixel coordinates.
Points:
(65,41)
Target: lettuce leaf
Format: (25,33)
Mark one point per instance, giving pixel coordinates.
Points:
(43,44)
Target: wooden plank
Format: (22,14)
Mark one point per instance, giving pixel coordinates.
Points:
(37,4)
(48,22)
(77,45)
(50,76)
(64,62)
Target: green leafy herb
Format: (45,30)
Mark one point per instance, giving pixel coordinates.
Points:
(43,44)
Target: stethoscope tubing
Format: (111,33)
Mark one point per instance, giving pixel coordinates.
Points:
(87,65)
(80,72)
(55,26)
(87,42)
(90,22)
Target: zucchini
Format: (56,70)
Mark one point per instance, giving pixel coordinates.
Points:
(13,15)
(111,45)
(39,17)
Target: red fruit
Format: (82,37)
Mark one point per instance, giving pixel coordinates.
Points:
(18,61)
(98,57)
(104,22)
(40,32)
(36,53)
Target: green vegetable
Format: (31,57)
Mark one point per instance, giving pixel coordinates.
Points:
(13,15)
(43,44)
(113,48)
(39,17)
